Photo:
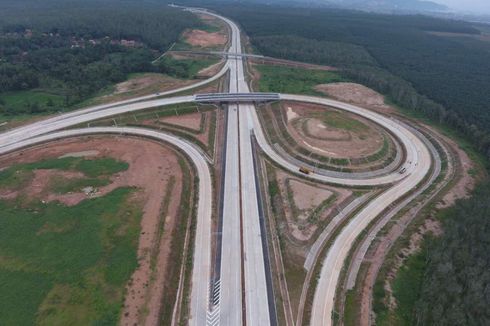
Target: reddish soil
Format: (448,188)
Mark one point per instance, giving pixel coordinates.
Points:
(38,188)
(148,80)
(299,227)
(465,183)
(192,120)
(188,122)
(211,70)
(356,94)
(204,39)
(151,165)
(318,137)
(306,196)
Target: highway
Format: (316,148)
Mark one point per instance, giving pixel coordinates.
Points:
(417,165)
(256,295)
(241,227)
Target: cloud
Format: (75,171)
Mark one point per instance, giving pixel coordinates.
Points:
(482,6)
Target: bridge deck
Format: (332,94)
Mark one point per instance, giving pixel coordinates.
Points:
(237,97)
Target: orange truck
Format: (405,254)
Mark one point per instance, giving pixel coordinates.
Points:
(304,170)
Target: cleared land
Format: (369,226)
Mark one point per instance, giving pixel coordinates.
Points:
(356,94)
(327,138)
(86,237)
(204,39)
(196,123)
(332,132)
(213,36)
(299,212)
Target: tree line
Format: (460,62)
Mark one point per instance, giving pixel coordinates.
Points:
(76,48)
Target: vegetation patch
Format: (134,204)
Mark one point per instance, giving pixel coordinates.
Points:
(184,68)
(293,80)
(56,54)
(341,121)
(16,176)
(67,265)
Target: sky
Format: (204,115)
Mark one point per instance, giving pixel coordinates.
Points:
(478,6)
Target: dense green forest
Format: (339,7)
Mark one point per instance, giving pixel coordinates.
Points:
(446,78)
(455,289)
(69,50)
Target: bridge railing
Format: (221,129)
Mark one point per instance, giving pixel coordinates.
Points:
(236,97)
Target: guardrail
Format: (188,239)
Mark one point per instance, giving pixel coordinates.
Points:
(236,97)
(218,53)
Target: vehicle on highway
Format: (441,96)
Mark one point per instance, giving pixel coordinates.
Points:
(304,170)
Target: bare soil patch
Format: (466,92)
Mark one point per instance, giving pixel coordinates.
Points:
(211,70)
(356,94)
(192,120)
(466,182)
(313,133)
(307,196)
(300,227)
(200,38)
(183,122)
(151,165)
(145,84)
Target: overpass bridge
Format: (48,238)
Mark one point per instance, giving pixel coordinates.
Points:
(236,97)
(220,53)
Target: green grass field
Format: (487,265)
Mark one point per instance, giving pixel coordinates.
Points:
(341,121)
(96,171)
(63,265)
(406,290)
(32,101)
(293,80)
(184,68)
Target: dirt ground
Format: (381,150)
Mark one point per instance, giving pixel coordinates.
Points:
(192,120)
(145,84)
(205,39)
(299,228)
(306,196)
(211,70)
(465,183)
(146,80)
(318,137)
(150,167)
(356,94)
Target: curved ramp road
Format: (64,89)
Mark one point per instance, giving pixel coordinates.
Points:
(21,130)
(202,246)
(323,302)
(82,116)
(240,209)
(410,142)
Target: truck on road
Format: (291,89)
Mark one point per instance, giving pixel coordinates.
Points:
(304,170)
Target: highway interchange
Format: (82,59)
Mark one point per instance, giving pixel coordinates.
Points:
(243,295)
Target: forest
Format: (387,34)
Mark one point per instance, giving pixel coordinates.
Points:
(73,49)
(455,289)
(445,78)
